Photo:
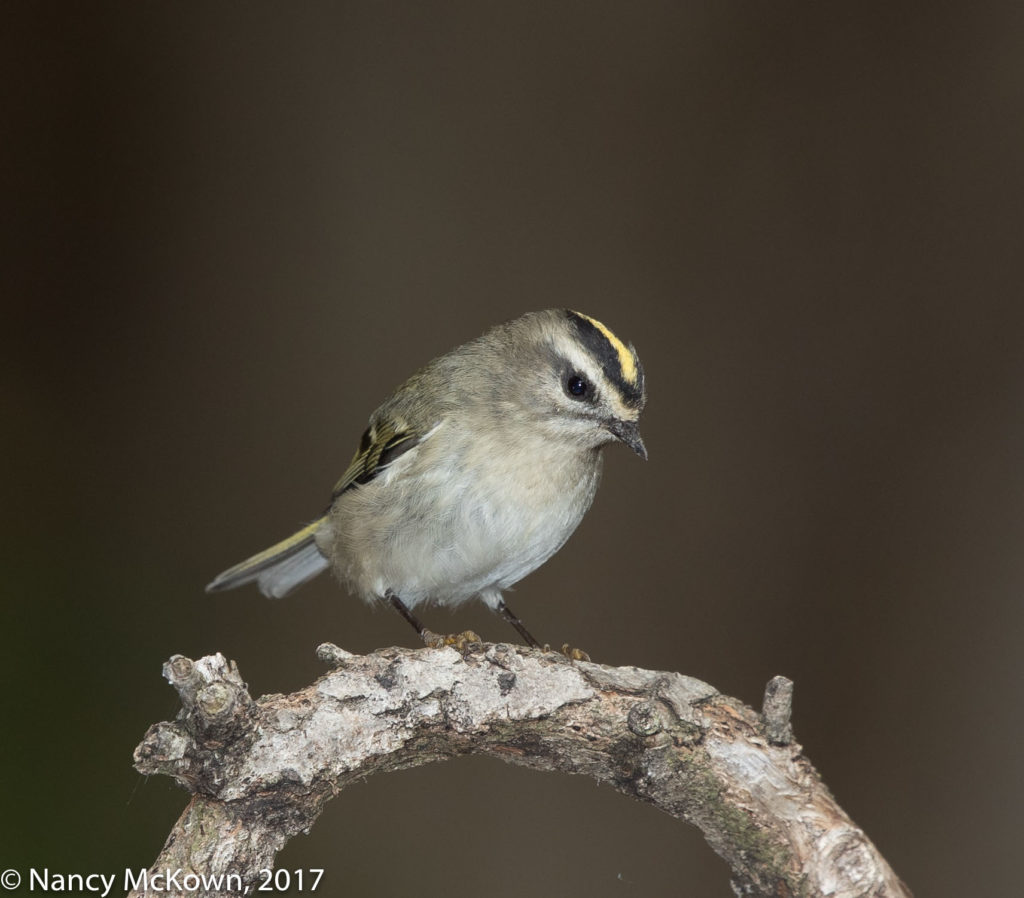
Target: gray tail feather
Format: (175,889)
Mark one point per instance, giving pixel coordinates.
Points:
(279,569)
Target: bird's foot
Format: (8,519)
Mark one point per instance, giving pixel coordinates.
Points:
(573,654)
(461,642)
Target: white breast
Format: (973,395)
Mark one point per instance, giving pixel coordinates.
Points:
(432,528)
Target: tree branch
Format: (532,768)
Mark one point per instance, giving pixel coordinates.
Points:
(261,771)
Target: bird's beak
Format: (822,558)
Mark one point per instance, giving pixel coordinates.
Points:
(629,433)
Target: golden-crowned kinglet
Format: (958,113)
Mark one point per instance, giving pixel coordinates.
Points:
(473,473)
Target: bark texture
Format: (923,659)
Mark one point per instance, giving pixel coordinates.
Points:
(260,771)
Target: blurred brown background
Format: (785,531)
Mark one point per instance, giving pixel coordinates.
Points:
(232,229)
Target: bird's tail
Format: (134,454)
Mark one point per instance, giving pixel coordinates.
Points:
(279,569)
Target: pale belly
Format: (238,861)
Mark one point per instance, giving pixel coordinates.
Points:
(386,536)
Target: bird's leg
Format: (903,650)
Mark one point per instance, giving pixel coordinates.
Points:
(567,650)
(506,613)
(460,641)
(403,610)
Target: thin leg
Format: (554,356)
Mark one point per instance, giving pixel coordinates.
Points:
(506,613)
(461,641)
(403,610)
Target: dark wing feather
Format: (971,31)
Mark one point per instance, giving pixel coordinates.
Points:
(384,441)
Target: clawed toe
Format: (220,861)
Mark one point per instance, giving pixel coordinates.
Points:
(573,654)
(461,642)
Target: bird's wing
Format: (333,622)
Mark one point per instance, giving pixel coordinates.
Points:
(385,439)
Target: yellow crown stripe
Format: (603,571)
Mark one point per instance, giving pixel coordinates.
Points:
(626,361)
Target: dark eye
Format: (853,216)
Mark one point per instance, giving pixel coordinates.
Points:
(576,386)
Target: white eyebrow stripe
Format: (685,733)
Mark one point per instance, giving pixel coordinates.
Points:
(587,364)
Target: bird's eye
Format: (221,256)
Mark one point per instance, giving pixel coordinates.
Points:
(576,386)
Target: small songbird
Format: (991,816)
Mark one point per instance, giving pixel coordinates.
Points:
(473,473)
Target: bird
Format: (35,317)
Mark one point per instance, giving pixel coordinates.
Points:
(471,474)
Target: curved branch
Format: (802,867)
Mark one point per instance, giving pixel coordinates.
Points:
(261,771)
